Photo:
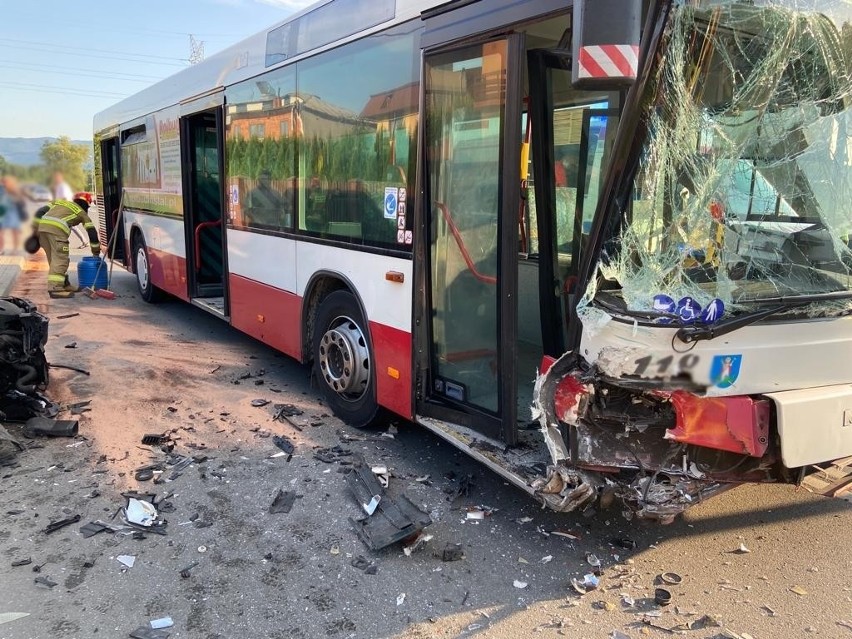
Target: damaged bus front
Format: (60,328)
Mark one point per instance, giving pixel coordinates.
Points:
(710,336)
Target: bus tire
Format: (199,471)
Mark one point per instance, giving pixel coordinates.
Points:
(142,267)
(343,360)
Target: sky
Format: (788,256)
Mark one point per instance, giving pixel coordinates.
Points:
(63,61)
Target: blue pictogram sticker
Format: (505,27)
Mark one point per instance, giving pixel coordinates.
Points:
(391,203)
(688,310)
(725,369)
(713,312)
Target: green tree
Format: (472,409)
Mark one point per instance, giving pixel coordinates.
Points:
(68,158)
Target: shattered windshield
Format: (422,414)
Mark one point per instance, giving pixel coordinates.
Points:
(744,190)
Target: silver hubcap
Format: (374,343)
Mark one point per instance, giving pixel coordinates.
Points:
(142,267)
(344,358)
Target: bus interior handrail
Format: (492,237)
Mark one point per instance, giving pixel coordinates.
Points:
(445,211)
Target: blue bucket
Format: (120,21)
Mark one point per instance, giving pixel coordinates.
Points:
(88,274)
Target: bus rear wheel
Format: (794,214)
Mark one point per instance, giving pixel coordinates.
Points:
(343,360)
(142,266)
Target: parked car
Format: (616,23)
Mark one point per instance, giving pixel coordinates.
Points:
(36,192)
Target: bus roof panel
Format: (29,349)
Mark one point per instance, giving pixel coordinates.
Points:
(242,61)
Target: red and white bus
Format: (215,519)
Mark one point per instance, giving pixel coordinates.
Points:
(603,247)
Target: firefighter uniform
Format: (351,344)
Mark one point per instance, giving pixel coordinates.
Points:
(53,224)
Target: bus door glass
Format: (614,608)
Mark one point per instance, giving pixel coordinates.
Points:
(205,205)
(572,136)
(464,119)
(110,165)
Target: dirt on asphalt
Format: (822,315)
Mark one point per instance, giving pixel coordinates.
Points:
(174,369)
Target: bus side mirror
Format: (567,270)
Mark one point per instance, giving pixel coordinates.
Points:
(605,43)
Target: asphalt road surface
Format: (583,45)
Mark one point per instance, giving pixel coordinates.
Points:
(173,368)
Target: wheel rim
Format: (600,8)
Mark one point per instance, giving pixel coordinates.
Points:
(142,267)
(344,359)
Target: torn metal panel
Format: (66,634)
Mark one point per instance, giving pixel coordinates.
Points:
(744,182)
(735,424)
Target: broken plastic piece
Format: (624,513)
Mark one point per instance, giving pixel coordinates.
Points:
(662,597)
(46,427)
(7,617)
(362,563)
(283,502)
(400,599)
(56,525)
(589,582)
(594,562)
(22,562)
(284,444)
(163,622)
(452,552)
(140,512)
(93,528)
(127,560)
(153,439)
(45,581)
(519,584)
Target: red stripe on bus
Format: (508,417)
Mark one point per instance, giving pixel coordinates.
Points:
(168,272)
(392,348)
(267,313)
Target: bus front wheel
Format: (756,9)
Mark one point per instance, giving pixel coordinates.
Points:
(142,266)
(343,360)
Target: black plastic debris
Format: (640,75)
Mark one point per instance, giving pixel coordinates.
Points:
(78,408)
(154,439)
(388,520)
(45,581)
(71,345)
(333,454)
(93,528)
(362,563)
(625,543)
(68,316)
(57,525)
(46,427)
(185,572)
(258,403)
(284,444)
(144,474)
(144,632)
(22,562)
(283,502)
(452,552)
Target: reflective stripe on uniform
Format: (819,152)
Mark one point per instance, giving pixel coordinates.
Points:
(52,221)
(56,278)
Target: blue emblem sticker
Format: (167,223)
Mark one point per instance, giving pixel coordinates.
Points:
(391,203)
(688,310)
(725,369)
(664,304)
(713,312)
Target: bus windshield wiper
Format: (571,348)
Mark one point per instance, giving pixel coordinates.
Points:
(692,333)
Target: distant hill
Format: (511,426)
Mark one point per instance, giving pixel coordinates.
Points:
(24,151)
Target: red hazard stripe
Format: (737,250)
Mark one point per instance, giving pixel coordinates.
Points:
(620,61)
(590,66)
(609,60)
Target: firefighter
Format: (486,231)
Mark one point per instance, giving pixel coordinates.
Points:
(52,224)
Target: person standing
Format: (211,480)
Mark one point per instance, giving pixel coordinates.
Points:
(60,188)
(53,225)
(15,214)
